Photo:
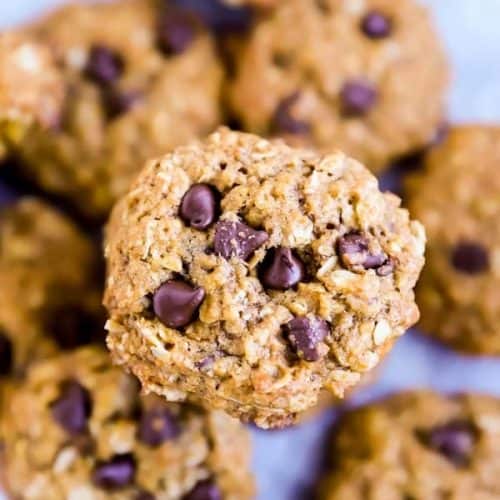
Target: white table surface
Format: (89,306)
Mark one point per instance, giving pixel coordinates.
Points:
(284,461)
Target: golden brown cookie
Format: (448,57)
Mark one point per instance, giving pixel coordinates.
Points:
(367,77)
(419,446)
(77,429)
(49,275)
(457,197)
(252,275)
(31,88)
(140,79)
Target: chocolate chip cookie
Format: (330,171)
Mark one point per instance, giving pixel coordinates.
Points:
(366,76)
(31,88)
(78,429)
(252,275)
(457,197)
(140,78)
(49,274)
(418,446)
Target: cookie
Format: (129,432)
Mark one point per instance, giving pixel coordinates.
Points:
(457,197)
(252,275)
(139,80)
(49,274)
(367,77)
(417,445)
(77,428)
(31,88)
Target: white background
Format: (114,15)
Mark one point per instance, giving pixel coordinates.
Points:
(284,461)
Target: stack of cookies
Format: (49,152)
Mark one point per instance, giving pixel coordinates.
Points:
(205,170)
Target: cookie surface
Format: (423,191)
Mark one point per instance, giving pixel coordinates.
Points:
(77,428)
(252,275)
(417,445)
(367,77)
(457,197)
(31,88)
(139,80)
(50,298)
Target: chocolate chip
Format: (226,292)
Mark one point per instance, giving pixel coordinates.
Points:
(176,31)
(104,65)
(218,16)
(204,490)
(470,258)
(72,409)
(199,206)
(6,355)
(176,303)
(304,335)
(115,473)
(283,120)
(376,25)
(454,440)
(353,251)
(117,102)
(234,239)
(281,269)
(157,425)
(72,327)
(357,98)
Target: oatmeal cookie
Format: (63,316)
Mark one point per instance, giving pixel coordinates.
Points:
(457,197)
(31,88)
(49,275)
(366,76)
(417,445)
(77,428)
(140,79)
(252,275)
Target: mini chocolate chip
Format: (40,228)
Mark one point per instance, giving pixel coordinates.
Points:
(357,98)
(374,261)
(176,303)
(304,335)
(176,31)
(283,120)
(354,254)
(281,269)
(157,425)
(199,206)
(117,102)
(204,490)
(454,440)
(352,249)
(470,258)
(104,65)
(72,327)
(115,473)
(72,409)
(218,16)
(6,355)
(376,25)
(235,239)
